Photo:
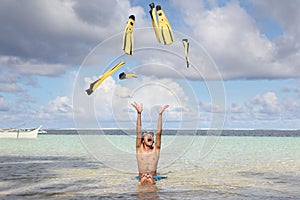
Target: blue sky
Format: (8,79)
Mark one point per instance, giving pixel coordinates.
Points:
(244,74)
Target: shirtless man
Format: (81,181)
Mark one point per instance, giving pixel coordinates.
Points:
(147,153)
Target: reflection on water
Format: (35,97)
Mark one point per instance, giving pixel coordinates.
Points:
(147,192)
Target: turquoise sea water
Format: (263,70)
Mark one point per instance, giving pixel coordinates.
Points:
(100,167)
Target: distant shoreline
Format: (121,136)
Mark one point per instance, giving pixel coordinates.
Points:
(256,133)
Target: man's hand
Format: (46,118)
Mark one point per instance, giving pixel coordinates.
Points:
(139,108)
(163,108)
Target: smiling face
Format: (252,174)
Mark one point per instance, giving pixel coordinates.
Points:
(148,139)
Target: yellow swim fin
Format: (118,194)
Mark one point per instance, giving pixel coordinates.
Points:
(186,50)
(154,21)
(94,85)
(164,27)
(125,76)
(128,36)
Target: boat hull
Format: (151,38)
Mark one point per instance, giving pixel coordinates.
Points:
(20,133)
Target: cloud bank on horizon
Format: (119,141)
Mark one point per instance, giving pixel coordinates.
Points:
(43,43)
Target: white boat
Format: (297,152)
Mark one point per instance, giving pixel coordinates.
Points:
(20,133)
(42,131)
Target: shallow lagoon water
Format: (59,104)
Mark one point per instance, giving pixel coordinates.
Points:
(238,167)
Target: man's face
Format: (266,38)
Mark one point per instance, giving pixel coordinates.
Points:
(148,140)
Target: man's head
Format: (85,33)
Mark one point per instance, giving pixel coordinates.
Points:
(148,138)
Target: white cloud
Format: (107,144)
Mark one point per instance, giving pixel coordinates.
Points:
(291,108)
(8,78)
(212,107)
(111,102)
(288,44)
(3,105)
(238,46)
(228,33)
(45,38)
(265,110)
(236,107)
(10,87)
(285,13)
(60,107)
(266,103)
(60,33)
(263,106)
(56,113)
(19,66)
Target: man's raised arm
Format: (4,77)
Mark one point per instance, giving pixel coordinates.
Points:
(139,109)
(159,126)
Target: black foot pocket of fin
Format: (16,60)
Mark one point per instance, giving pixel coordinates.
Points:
(132,17)
(152,5)
(89,91)
(122,76)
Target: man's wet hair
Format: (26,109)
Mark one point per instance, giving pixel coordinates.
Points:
(144,133)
